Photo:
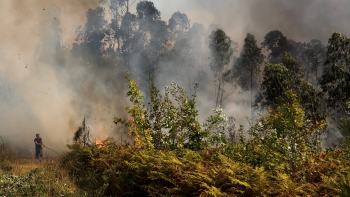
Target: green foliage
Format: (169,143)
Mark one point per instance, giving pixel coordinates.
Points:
(281,140)
(344,128)
(249,64)
(181,119)
(276,43)
(279,78)
(220,46)
(171,122)
(217,125)
(139,127)
(276,80)
(295,135)
(111,170)
(334,81)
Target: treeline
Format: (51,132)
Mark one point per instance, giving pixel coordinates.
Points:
(114,40)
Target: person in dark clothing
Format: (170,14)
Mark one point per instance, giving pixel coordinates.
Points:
(38,147)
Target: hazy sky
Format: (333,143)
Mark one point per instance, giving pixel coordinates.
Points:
(300,20)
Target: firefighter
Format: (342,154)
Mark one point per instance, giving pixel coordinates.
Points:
(38,148)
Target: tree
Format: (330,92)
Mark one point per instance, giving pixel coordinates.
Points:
(279,78)
(116,9)
(152,38)
(221,53)
(90,44)
(276,81)
(314,56)
(335,81)
(181,57)
(175,112)
(146,11)
(311,55)
(276,43)
(127,32)
(289,131)
(179,24)
(251,60)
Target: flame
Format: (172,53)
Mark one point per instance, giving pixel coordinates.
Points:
(132,120)
(99,143)
(99,127)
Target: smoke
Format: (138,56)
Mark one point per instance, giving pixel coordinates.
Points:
(298,20)
(38,78)
(46,87)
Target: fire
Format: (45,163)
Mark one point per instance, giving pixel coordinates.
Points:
(101,136)
(100,127)
(131,119)
(99,143)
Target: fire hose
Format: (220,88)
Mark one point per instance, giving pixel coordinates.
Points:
(52,150)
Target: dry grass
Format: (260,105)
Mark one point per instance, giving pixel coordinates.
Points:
(46,177)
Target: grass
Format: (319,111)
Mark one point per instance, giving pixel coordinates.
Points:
(24,177)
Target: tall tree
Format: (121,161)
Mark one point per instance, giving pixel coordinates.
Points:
(251,60)
(279,78)
(311,55)
(316,55)
(185,55)
(308,95)
(153,39)
(276,44)
(116,9)
(179,25)
(335,81)
(90,44)
(275,83)
(221,53)
(127,34)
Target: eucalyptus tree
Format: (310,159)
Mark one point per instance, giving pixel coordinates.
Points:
(311,55)
(152,38)
(276,44)
(314,57)
(251,61)
(90,46)
(221,53)
(116,10)
(185,56)
(179,25)
(279,78)
(308,95)
(335,81)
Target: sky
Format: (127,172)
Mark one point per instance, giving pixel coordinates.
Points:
(34,97)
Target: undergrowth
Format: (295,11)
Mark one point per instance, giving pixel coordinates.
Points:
(111,170)
(174,155)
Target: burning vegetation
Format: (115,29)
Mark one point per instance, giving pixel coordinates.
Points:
(292,93)
(173,154)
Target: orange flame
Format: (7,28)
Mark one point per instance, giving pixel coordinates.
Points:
(100,128)
(99,143)
(132,120)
